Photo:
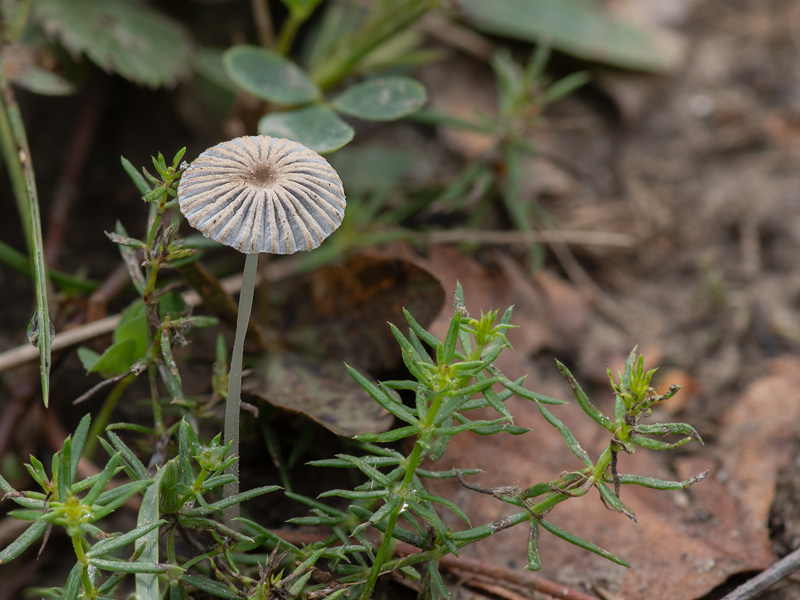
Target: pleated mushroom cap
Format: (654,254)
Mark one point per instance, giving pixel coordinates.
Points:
(262,194)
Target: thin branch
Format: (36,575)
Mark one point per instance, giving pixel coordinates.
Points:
(263,21)
(758,584)
(585,238)
(23,354)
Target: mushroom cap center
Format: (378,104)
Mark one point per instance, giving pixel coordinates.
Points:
(261,175)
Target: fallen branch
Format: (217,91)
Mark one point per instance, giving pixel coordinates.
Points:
(767,578)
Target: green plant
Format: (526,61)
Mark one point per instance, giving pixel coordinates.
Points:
(522,95)
(175,498)
(451,377)
(182,486)
(348,37)
(447,384)
(259,195)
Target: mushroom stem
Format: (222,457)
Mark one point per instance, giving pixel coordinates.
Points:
(231,432)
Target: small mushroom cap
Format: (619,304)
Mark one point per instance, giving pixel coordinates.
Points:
(262,194)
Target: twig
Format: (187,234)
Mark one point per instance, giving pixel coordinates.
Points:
(263,22)
(494,589)
(587,238)
(781,569)
(522,578)
(498,492)
(24,354)
(136,369)
(459,37)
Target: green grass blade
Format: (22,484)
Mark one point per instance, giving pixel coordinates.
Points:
(68,283)
(17,157)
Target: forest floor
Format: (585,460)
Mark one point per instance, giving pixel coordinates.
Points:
(689,185)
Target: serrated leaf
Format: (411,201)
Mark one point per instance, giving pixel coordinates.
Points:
(127,38)
(316,127)
(383,99)
(581,28)
(269,76)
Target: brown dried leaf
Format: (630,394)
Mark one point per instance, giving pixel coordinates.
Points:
(342,310)
(322,390)
(757,442)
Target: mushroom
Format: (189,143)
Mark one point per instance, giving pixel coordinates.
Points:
(258,194)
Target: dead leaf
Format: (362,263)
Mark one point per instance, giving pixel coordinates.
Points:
(549,312)
(757,442)
(342,310)
(321,390)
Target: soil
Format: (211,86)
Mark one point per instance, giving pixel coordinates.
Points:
(697,167)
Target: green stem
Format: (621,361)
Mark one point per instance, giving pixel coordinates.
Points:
(20,262)
(289,31)
(80,554)
(231,432)
(152,378)
(413,462)
(104,416)
(17,156)
(376,29)
(151,308)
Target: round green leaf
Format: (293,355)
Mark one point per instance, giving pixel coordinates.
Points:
(383,99)
(316,127)
(269,76)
